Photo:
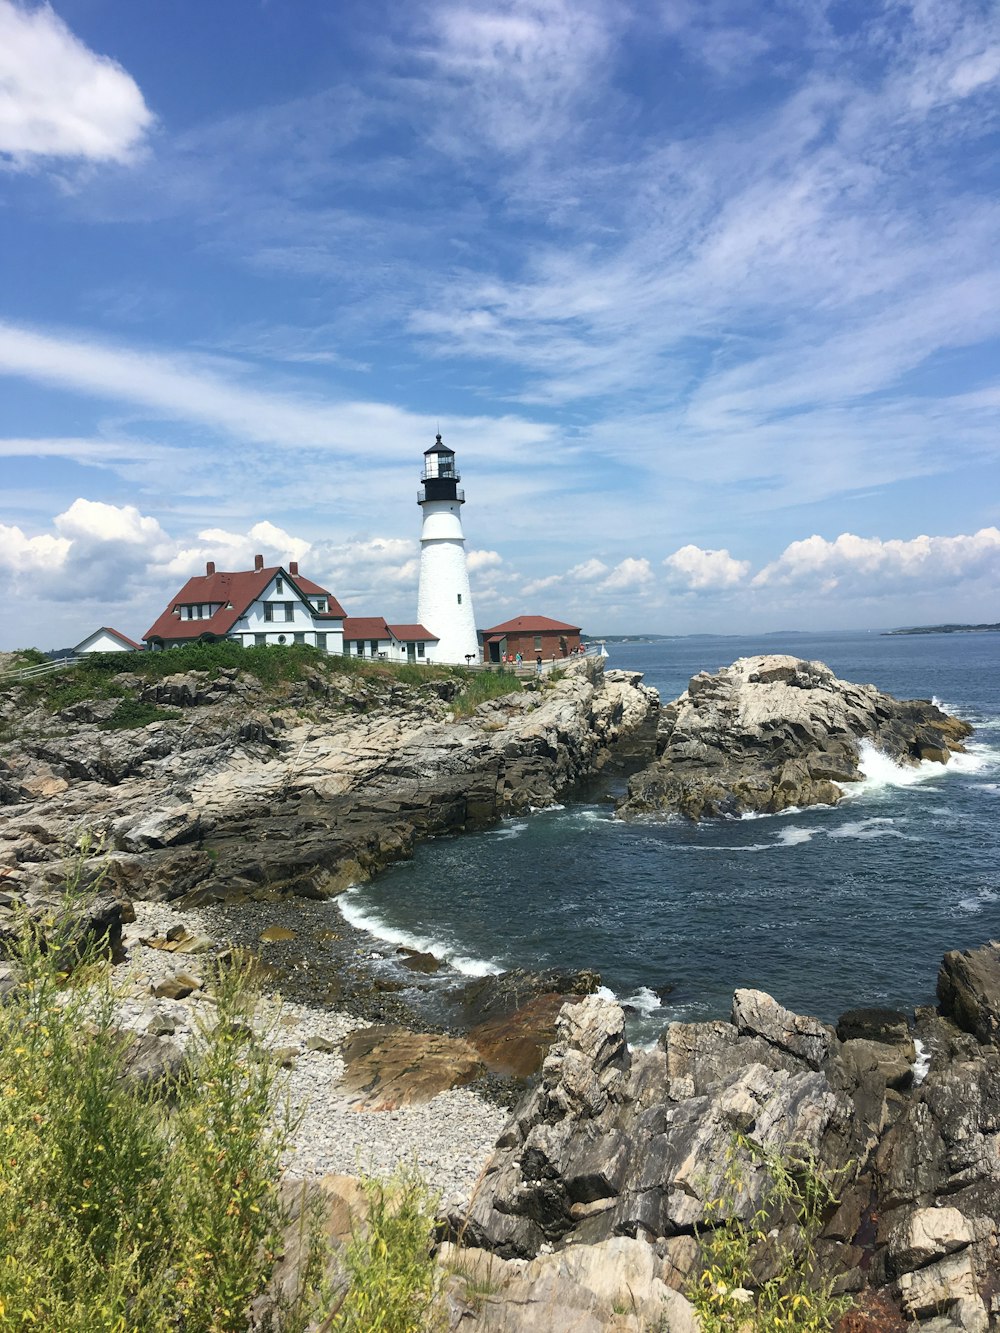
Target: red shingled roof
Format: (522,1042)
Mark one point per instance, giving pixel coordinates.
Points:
(365,627)
(235,592)
(407,633)
(532,625)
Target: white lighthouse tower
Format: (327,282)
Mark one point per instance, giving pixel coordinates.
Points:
(444,602)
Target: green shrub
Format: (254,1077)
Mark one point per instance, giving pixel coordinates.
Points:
(131,713)
(121,1212)
(782,1234)
(393,1277)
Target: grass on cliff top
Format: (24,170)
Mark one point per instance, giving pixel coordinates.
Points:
(274,667)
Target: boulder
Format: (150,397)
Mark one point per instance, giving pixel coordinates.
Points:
(968,990)
(772,732)
(388,1066)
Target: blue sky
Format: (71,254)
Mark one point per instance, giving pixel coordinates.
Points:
(704,293)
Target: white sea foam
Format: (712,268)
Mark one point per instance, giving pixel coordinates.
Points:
(922,1063)
(509,829)
(978,758)
(880,771)
(864,829)
(973,902)
(646,1001)
(365,919)
(792,837)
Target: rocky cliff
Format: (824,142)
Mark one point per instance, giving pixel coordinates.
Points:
(620,1143)
(244,794)
(772,732)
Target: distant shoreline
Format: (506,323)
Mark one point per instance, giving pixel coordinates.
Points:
(946,629)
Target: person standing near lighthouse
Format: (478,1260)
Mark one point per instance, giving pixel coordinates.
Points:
(444,599)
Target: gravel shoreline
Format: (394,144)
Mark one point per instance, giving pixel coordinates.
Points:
(448,1139)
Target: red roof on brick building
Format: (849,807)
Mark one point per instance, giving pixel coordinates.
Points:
(532,625)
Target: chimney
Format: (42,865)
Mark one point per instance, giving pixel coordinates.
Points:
(293,568)
(209,566)
(258,562)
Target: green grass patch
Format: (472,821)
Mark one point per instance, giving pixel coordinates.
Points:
(133,713)
(478,686)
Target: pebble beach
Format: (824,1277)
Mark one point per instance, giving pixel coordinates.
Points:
(448,1139)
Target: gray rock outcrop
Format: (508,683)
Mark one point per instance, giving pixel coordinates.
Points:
(772,732)
(617,1143)
(244,796)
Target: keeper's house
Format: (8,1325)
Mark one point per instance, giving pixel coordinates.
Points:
(254,607)
(370,636)
(530,636)
(107,640)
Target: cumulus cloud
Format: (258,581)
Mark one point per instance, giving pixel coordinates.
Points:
(97,551)
(706,569)
(878,566)
(21,554)
(628,573)
(60,99)
(477,561)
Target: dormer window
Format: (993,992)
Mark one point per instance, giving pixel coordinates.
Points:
(321,604)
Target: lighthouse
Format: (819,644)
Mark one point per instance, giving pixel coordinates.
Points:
(444,601)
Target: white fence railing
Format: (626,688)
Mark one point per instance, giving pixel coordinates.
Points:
(21,674)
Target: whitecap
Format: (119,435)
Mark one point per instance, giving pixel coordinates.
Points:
(646,1001)
(365,919)
(973,902)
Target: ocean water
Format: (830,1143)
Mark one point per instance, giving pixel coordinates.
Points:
(826,908)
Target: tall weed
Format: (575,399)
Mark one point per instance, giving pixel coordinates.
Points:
(122,1211)
(781,1235)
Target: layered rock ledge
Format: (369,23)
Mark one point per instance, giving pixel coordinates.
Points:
(247,796)
(771,732)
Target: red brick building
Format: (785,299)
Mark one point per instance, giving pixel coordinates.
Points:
(530,636)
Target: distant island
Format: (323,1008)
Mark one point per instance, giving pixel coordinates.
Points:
(947,629)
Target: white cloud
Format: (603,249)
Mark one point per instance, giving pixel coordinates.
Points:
(478,561)
(628,573)
(875,566)
(184,388)
(92,520)
(588,571)
(704,569)
(20,554)
(60,99)
(98,551)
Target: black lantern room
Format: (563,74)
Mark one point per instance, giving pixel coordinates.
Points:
(440,478)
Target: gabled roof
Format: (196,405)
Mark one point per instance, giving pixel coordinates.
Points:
(366,627)
(236,592)
(115,634)
(374,627)
(413,633)
(533,625)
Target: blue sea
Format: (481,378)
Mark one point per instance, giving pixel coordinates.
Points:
(825,908)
